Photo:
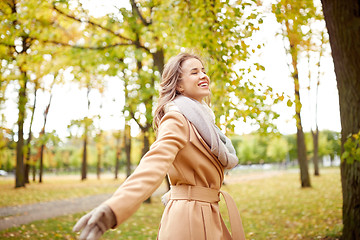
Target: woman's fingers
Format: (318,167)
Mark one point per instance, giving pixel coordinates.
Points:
(85,232)
(95,233)
(82,222)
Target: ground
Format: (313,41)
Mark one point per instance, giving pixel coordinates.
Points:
(23,214)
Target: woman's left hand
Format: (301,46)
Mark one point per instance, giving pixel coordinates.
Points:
(95,223)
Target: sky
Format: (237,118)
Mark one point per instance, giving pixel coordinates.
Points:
(69,102)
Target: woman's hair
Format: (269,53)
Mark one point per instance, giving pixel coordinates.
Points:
(170,79)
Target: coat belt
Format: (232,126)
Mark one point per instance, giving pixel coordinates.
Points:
(209,195)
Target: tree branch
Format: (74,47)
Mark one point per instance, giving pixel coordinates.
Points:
(138,123)
(9,4)
(130,41)
(82,47)
(91,23)
(143,20)
(7,44)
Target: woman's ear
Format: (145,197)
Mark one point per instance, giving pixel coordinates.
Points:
(180,88)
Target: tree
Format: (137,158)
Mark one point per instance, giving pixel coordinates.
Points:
(22,22)
(118,151)
(222,32)
(147,32)
(342,21)
(145,35)
(42,136)
(252,150)
(277,149)
(28,143)
(99,141)
(316,47)
(293,16)
(18,44)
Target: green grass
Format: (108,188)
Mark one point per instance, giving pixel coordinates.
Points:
(53,189)
(271,208)
(278,208)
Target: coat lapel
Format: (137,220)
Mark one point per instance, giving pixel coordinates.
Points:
(199,143)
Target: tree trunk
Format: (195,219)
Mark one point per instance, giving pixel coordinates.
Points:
(118,153)
(84,158)
(86,129)
(20,178)
(127,141)
(41,167)
(145,150)
(343,22)
(42,134)
(301,147)
(315,136)
(33,168)
(146,146)
(28,155)
(158,58)
(98,166)
(117,160)
(99,154)
(332,156)
(27,159)
(301,152)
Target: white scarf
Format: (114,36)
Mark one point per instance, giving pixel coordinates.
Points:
(202,117)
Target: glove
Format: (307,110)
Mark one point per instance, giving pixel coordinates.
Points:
(166,198)
(95,223)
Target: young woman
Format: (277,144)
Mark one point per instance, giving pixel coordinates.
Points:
(192,151)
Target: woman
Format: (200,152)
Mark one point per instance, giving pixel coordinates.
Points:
(194,153)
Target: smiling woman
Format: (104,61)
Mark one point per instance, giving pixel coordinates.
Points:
(192,151)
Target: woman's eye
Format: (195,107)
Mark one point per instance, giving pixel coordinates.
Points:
(194,73)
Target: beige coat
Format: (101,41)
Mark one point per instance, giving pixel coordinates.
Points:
(182,153)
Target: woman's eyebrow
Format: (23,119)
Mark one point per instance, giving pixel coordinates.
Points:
(197,69)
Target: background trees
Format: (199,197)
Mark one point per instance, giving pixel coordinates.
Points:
(132,45)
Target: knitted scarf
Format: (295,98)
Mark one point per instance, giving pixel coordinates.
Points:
(202,117)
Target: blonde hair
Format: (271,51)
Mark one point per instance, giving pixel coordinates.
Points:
(170,79)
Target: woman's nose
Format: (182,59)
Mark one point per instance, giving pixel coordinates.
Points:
(203,75)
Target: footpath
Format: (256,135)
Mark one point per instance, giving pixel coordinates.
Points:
(25,214)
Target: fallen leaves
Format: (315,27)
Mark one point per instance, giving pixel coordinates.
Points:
(271,208)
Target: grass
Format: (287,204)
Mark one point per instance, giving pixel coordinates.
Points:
(278,208)
(271,208)
(54,189)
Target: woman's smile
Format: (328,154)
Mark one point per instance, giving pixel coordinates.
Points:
(203,84)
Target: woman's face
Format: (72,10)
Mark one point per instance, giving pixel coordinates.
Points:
(194,81)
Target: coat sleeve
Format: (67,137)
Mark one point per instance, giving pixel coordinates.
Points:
(173,134)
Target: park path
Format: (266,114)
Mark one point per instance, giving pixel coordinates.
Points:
(23,214)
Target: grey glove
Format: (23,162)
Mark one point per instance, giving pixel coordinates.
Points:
(166,198)
(95,223)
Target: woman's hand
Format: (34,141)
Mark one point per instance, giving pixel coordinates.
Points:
(166,198)
(95,223)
